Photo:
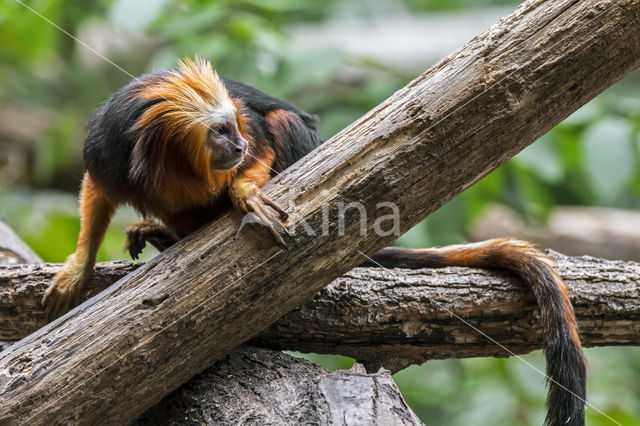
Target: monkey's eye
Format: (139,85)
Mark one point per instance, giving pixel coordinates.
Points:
(222,130)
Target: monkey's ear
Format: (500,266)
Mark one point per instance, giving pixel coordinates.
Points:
(146,163)
(242,119)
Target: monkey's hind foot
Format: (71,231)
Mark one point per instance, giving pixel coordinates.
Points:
(148,231)
(65,289)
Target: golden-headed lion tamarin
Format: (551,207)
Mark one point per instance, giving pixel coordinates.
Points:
(183,145)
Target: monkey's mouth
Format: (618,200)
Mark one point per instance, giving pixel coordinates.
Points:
(228,163)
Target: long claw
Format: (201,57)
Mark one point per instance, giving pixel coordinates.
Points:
(257,205)
(133,245)
(283,214)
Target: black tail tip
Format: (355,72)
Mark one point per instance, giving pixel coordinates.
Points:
(567,378)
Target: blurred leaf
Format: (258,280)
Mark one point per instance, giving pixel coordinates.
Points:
(416,237)
(27,37)
(541,159)
(609,156)
(534,197)
(488,190)
(447,224)
(135,15)
(181,25)
(54,151)
(586,114)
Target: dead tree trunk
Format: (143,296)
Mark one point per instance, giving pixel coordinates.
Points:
(123,350)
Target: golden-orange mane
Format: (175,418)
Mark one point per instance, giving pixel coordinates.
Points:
(173,131)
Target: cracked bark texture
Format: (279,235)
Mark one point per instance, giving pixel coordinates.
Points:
(259,386)
(146,335)
(393,318)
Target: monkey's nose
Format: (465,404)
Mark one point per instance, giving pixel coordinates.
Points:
(241,146)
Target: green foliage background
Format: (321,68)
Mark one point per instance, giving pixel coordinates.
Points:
(592,158)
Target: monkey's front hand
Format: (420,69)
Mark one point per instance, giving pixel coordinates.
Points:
(248,200)
(65,289)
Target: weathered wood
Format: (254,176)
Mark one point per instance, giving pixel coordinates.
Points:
(144,336)
(397,317)
(263,387)
(13,249)
(400,317)
(22,287)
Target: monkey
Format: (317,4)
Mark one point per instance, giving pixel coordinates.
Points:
(184,145)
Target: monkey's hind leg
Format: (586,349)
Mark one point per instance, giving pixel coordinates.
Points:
(148,231)
(96,210)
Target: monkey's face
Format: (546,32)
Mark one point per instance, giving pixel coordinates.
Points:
(227,145)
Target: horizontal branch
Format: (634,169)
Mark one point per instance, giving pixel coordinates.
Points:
(393,318)
(396,318)
(22,287)
(172,318)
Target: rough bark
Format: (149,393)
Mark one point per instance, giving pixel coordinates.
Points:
(149,333)
(597,231)
(396,318)
(22,287)
(260,386)
(13,249)
(393,318)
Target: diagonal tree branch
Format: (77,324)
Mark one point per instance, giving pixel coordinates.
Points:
(144,336)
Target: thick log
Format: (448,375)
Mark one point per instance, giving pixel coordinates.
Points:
(144,336)
(13,249)
(260,386)
(400,317)
(22,287)
(393,318)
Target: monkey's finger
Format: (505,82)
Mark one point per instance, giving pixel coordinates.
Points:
(277,238)
(257,226)
(48,302)
(134,245)
(275,222)
(47,311)
(283,214)
(76,298)
(65,306)
(271,224)
(276,230)
(54,306)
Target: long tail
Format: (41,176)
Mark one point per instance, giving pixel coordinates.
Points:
(566,365)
